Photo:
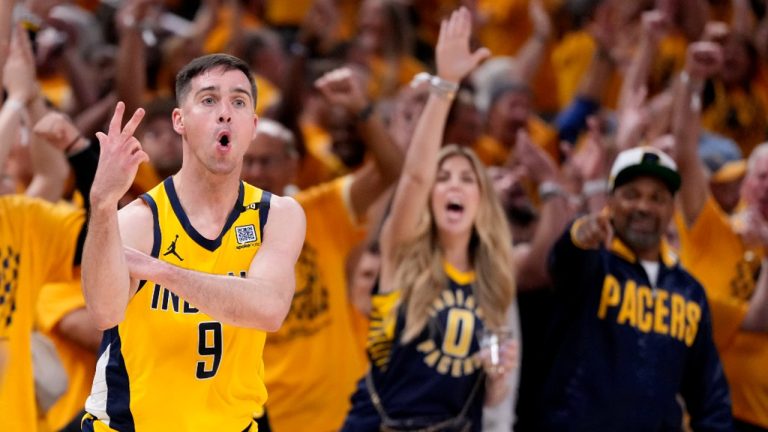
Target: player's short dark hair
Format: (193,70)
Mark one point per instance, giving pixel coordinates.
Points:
(206,63)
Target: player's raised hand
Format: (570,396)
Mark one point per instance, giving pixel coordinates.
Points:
(119,159)
(453,55)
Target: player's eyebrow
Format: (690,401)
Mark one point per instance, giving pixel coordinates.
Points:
(243,91)
(216,89)
(207,89)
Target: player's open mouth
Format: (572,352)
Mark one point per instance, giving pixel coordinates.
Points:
(224,139)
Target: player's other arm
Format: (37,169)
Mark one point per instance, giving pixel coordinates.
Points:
(262,299)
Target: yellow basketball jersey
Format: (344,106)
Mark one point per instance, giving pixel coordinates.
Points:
(168,366)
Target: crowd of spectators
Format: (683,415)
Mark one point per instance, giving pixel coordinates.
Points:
(565,86)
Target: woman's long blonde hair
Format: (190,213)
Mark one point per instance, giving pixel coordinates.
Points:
(419,262)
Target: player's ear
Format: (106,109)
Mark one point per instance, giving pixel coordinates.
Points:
(178,121)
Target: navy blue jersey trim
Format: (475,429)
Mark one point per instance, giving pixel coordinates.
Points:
(118,386)
(264,211)
(86,424)
(208,244)
(105,340)
(262,422)
(158,239)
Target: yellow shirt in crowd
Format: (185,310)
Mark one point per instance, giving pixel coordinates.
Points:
(293,13)
(506,28)
(739,114)
(388,76)
(55,302)
(573,55)
(320,164)
(314,361)
(493,153)
(717,257)
(37,245)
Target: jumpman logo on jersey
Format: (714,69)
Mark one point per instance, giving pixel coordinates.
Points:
(172,249)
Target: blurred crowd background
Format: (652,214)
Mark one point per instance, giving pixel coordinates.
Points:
(577,80)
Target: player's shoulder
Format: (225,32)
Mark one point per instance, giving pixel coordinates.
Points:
(137,225)
(286,216)
(285,206)
(136,211)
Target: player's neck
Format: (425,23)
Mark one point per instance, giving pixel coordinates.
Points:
(207,200)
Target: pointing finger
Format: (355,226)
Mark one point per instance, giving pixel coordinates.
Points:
(117,120)
(133,123)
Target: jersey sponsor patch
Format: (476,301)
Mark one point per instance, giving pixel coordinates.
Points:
(246,234)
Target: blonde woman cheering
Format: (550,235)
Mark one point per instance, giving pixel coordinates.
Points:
(446,276)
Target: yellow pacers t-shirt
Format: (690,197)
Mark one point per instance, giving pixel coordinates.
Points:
(314,361)
(320,164)
(574,53)
(37,245)
(717,257)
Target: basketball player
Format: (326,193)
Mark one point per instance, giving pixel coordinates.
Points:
(174,278)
